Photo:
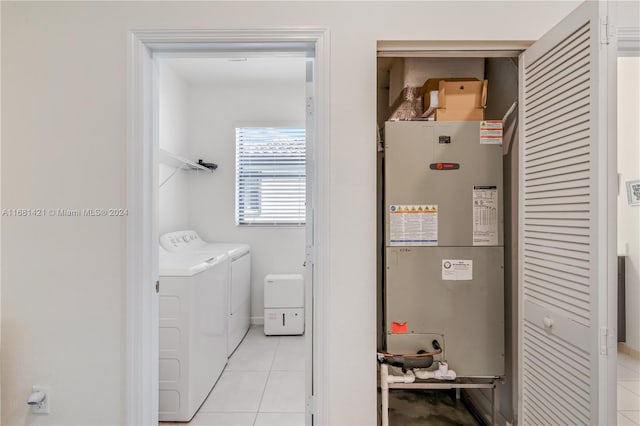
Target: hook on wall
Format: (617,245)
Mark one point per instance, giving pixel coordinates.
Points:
(210,166)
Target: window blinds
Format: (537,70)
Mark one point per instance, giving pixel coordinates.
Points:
(270,176)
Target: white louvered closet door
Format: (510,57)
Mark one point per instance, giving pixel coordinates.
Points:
(563,221)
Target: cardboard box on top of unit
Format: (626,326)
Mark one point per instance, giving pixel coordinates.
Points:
(442,99)
(458,99)
(461,100)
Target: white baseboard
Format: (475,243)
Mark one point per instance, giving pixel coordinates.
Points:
(625,349)
(257,320)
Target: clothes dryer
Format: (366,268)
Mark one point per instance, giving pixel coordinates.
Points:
(239,290)
(192,335)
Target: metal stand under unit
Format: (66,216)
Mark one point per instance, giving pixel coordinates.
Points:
(388,381)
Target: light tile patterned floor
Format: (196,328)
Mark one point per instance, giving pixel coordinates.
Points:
(263,385)
(628,390)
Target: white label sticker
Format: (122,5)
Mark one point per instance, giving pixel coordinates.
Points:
(485,216)
(491,132)
(457,270)
(413,225)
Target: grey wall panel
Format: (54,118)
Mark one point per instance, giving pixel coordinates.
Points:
(410,148)
(468,314)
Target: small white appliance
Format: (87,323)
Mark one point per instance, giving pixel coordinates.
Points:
(283,304)
(239,290)
(192,335)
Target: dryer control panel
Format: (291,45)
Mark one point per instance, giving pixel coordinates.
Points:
(180,240)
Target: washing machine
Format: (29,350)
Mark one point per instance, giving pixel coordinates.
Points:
(239,291)
(192,334)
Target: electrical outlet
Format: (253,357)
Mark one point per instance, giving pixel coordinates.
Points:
(45,406)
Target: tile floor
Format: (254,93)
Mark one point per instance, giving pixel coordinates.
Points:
(628,390)
(262,385)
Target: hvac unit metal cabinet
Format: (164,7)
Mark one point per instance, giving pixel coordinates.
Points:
(444,244)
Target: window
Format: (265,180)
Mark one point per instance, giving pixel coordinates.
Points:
(270,176)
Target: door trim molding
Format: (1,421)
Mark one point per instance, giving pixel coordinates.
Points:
(141,364)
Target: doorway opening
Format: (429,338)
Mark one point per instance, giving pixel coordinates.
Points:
(628,243)
(245,115)
(405,79)
(198,100)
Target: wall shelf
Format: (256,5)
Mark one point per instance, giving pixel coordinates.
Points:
(176,161)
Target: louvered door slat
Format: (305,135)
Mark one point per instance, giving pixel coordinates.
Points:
(556,256)
(558,79)
(574,281)
(556,236)
(557,223)
(558,51)
(556,262)
(584,232)
(574,168)
(559,206)
(552,107)
(558,139)
(550,176)
(556,266)
(550,347)
(565,193)
(559,259)
(577,120)
(558,301)
(552,408)
(565,379)
(576,150)
(566,375)
(558,215)
(573,90)
(563,245)
(566,287)
(577,181)
(568,107)
(571,372)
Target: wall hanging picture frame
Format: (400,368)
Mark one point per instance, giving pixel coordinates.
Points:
(633,192)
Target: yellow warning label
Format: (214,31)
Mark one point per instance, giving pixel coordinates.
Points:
(422,208)
(491,132)
(413,225)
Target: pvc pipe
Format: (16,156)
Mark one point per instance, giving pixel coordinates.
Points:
(408,377)
(442,373)
(384,386)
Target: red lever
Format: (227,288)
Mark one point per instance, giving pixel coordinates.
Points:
(444,166)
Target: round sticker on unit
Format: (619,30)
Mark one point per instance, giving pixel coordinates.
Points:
(447,265)
(393,208)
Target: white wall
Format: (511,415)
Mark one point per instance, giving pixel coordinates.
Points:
(0,222)
(629,169)
(63,142)
(214,112)
(173,195)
